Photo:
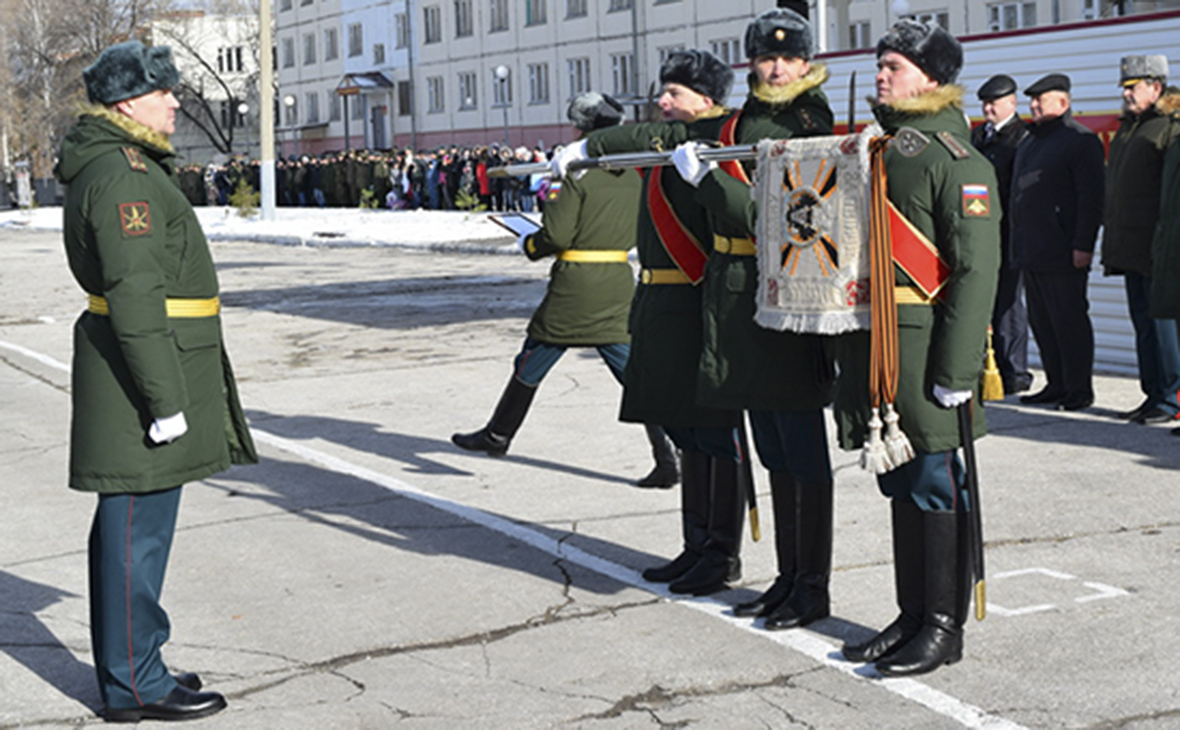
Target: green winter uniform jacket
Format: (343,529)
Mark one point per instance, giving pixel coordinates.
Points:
(587,302)
(1132,202)
(660,382)
(1165,245)
(132,238)
(948,191)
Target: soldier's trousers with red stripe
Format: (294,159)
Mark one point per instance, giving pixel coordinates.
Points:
(130,540)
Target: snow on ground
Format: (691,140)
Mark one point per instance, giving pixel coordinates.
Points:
(325,227)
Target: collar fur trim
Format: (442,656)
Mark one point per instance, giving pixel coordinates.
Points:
(717,110)
(138,132)
(948,95)
(783,95)
(1168,103)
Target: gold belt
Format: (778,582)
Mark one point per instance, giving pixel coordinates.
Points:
(663,276)
(734,246)
(593,257)
(911,295)
(175,307)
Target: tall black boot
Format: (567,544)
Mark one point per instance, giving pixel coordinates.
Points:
(666,472)
(940,640)
(719,562)
(694,517)
(783,500)
(509,414)
(809,600)
(909,571)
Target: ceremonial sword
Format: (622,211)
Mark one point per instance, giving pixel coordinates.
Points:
(975,521)
(626,160)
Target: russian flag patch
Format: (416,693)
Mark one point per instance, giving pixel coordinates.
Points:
(976,201)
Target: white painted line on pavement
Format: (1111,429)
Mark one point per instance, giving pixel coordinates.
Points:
(800,640)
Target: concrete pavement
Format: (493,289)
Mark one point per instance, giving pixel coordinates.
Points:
(367,574)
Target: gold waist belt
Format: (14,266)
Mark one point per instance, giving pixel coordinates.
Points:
(175,307)
(910,295)
(663,276)
(734,246)
(593,257)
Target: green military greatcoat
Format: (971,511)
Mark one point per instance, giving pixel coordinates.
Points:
(132,238)
(587,302)
(948,191)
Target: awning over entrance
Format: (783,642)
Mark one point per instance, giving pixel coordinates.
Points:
(353,84)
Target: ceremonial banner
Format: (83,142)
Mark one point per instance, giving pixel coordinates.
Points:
(813,233)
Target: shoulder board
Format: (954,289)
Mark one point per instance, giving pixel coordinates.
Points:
(134,160)
(808,121)
(954,146)
(910,142)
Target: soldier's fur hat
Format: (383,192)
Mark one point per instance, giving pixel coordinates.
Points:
(127,70)
(928,46)
(779,32)
(1133,69)
(700,71)
(592,110)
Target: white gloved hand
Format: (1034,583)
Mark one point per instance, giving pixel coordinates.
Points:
(168,429)
(560,163)
(690,165)
(948,398)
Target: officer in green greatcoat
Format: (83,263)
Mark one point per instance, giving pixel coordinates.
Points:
(783,379)
(674,241)
(154,403)
(947,190)
(588,226)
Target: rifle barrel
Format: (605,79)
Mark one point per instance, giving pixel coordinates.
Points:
(625,160)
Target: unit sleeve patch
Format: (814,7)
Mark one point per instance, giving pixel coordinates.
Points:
(136,218)
(977,201)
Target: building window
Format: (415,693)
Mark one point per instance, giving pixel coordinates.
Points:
(401,30)
(666,51)
(285,5)
(312,100)
(498,16)
(331,45)
(288,53)
(619,5)
(729,50)
(859,36)
(358,107)
(292,111)
(535,12)
(229,60)
(431,24)
(468,97)
(936,17)
(306,2)
(538,83)
(308,49)
(501,89)
(463,24)
(575,8)
(434,95)
(1010,16)
(622,66)
(578,70)
(405,99)
(665,2)
(333,107)
(378,54)
(356,40)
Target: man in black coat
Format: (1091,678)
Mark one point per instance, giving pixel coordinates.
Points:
(997,138)
(1053,220)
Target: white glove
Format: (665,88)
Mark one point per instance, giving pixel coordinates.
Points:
(690,165)
(166,430)
(948,398)
(560,163)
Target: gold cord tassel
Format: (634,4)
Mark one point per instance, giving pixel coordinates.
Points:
(874,458)
(993,384)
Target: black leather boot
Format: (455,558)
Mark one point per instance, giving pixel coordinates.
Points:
(494,438)
(908,576)
(940,640)
(809,600)
(783,501)
(694,518)
(719,563)
(666,472)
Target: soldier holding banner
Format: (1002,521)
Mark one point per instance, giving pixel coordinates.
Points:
(947,192)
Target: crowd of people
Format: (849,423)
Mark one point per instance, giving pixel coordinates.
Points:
(448,178)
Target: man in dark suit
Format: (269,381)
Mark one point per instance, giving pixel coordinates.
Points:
(997,138)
